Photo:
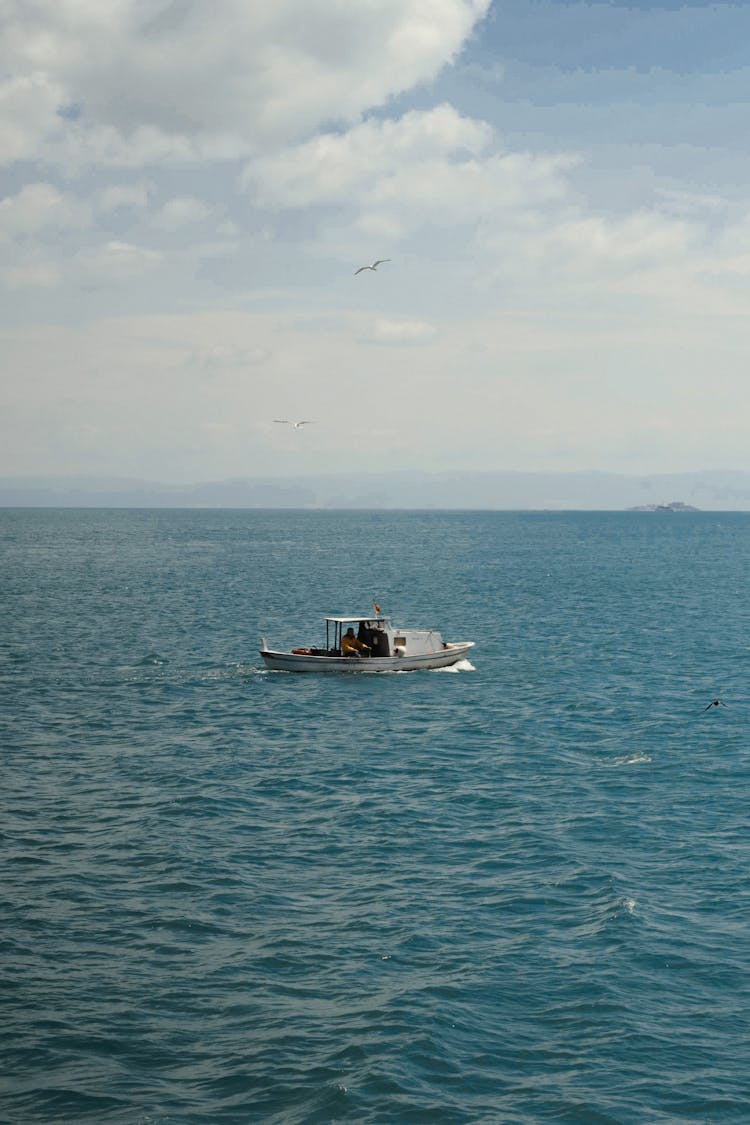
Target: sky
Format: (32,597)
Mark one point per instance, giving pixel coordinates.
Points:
(187,189)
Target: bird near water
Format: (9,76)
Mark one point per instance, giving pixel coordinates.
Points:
(297,425)
(715,703)
(374,265)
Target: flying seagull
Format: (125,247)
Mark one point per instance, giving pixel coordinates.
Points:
(374,265)
(287,422)
(715,703)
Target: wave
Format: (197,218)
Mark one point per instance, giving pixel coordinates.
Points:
(460,666)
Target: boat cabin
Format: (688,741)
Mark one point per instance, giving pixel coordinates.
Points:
(375,636)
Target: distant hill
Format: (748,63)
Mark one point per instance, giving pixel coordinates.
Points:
(724,491)
(674,506)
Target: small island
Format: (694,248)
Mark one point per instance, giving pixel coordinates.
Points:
(675,506)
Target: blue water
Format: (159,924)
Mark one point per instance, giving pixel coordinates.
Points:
(517,893)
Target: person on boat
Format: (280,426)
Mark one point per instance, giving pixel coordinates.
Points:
(351,646)
(378,642)
(364,633)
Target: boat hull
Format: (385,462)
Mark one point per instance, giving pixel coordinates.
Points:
(304,662)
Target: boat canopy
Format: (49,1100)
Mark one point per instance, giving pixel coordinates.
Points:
(359,617)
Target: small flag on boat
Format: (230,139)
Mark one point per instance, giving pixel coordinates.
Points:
(376,607)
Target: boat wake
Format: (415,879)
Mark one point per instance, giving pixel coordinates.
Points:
(459,666)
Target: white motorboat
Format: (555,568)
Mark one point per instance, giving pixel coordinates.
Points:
(368,643)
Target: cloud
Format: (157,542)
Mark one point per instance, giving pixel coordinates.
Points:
(35,225)
(275,72)
(360,163)
(38,206)
(31,271)
(181,211)
(390,179)
(116,196)
(115,262)
(444,183)
(570,244)
(402,331)
(220,357)
(218,429)
(28,117)
(532,289)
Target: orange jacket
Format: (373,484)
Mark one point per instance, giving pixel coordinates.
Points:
(351,644)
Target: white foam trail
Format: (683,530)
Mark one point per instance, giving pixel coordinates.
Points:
(637,758)
(459,666)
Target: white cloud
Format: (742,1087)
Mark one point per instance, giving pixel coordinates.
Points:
(35,224)
(638,239)
(31,271)
(499,217)
(38,206)
(522,300)
(269,73)
(218,429)
(116,196)
(568,244)
(115,262)
(391,179)
(536,396)
(690,203)
(180,212)
(83,146)
(402,331)
(219,357)
(28,119)
(360,164)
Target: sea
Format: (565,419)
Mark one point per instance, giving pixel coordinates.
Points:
(513,891)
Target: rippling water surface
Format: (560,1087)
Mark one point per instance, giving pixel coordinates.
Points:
(515,892)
